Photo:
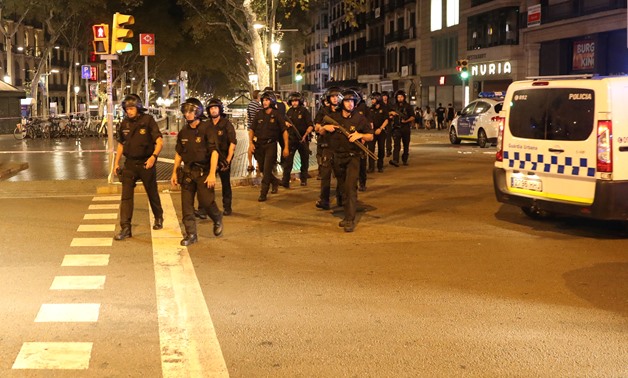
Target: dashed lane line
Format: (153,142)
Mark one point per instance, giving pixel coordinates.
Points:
(68,312)
(101,216)
(115,197)
(189,346)
(54,355)
(85,260)
(104,206)
(96,228)
(78,283)
(92,242)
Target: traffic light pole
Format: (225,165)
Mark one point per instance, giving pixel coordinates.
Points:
(108,59)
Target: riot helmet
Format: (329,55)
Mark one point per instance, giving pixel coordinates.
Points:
(194,105)
(295,96)
(270,95)
(350,95)
(377,96)
(400,92)
(215,102)
(133,100)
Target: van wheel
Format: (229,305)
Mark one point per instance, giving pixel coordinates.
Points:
(453,137)
(483,139)
(536,213)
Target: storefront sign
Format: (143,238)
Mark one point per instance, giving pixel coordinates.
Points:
(583,55)
(534,15)
(491,68)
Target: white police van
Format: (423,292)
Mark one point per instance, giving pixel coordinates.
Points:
(563,147)
(478,120)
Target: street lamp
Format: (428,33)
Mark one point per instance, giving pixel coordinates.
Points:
(275,47)
(77,89)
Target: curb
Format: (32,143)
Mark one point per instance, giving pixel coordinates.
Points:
(11,169)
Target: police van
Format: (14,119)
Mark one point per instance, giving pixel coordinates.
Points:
(562,147)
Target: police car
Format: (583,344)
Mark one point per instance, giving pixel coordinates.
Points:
(478,120)
(563,147)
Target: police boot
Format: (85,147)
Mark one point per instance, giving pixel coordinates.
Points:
(227,210)
(218,228)
(275,187)
(124,233)
(159,224)
(189,240)
(349,226)
(322,204)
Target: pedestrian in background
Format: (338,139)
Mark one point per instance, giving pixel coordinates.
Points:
(440,117)
(428,118)
(196,148)
(251,110)
(226,141)
(451,114)
(140,141)
(418,118)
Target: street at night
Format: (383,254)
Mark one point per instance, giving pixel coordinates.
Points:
(438,279)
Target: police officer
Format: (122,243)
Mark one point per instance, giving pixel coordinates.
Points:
(403,119)
(379,116)
(226,140)
(268,127)
(299,138)
(347,154)
(386,104)
(196,148)
(140,141)
(362,109)
(332,97)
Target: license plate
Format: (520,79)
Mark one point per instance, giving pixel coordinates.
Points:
(526,183)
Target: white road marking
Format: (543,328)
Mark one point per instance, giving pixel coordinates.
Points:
(96,227)
(107,198)
(101,216)
(166,160)
(68,312)
(85,260)
(189,346)
(91,242)
(104,206)
(78,283)
(42,355)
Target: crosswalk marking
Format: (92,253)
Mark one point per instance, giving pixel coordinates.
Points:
(68,312)
(91,242)
(54,355)
(106,206)
(107,198)
(96,227)
(189,346)
(78,283)
(85,260)
(101,216)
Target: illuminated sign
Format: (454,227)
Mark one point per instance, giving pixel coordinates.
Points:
(583,55)
(491,68)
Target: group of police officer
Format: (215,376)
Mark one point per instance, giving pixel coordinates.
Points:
(205,146)
(348,132)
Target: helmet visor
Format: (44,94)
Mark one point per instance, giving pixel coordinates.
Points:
(188,108)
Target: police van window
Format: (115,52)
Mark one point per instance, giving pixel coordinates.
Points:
(468,109)
(552,114)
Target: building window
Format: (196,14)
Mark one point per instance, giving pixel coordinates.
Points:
(444,52)
(494,28)
(453,12)
(436,12)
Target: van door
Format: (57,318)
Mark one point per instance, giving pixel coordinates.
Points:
(552,152)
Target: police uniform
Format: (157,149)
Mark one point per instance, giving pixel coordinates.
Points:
(379,115)
(346,161)
(301,119)
(325,160)
(224,134)
(401,132)
(363,109)
(194,146)
(138,137)
(267,130)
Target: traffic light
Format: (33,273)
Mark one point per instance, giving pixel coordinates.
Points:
(464,69)
(299,69)
(458,67)
(118,33)
(101,38)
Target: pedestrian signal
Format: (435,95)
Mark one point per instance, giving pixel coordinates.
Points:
(119,33)
(101,38)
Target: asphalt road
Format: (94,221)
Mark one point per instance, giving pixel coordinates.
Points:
(437,280)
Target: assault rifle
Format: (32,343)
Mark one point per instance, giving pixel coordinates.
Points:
(328,120)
